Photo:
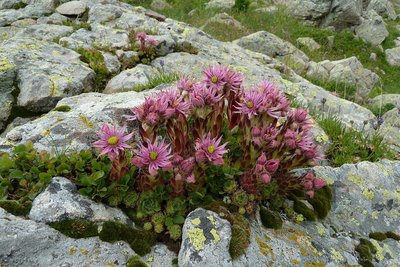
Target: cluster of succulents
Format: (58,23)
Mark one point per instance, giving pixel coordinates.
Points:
(214,140)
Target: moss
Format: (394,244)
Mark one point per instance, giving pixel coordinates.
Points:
(321,201)
(270,219)
(364,252)
(240,241)
(19,5)
(368,243)
(302,208)
(140,241)
(393,236)
(76,228)
(77,26)
(15,208)
(186,47)
(175,262)
(378,236)
(63,108)
(366,263)
(96,61)
(136,261)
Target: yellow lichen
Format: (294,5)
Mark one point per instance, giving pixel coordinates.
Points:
(72,251)
(388,250)
(266,250)
(321,138)
(5,64)
(315,264)
(379,250)
(320,230)
(215,235)
(86,121)
(329,181)
(84,251)
(196,238)
(295,262)
(368,194)
(196,221)
(299,218)
(357,179)
(374,215)
(150,259)
(212,219)
(110,264)
(335,255)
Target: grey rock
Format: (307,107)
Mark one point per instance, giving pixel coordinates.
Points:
(104,13)
(313,10)
(165,44)
(205,240)
(390,129)
(112,63)
(344,13)
(309,43)
(373,57)
(46,32)
(27,243)
(273,46)
(72,8)
(393,56)
(100,37)
(225,19)
(220,4)
(159,5)
(384,99)
(7,75)
(54,18)
(9,4)
(18,121)
(62,201)
(383,8)
(373,29)
(128,79)
(76,129)
(23,23)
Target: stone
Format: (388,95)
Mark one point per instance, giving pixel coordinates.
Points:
(104,13)
(225,19)
(373,29)
(273,46)
(313,10)
(27,243)
(112,63)
(220,4)
(72,8)
(317,71)
(397,42)
(100,37)
(390,129)
(165,44)
(159,5)
(46,32)
(128,79)
(373,57)
(54,18)
(62,201)
(205,240)
(385,99)
(344,13)
(23,23)
(393,56)
(76,129)
(309,43)
(383,8)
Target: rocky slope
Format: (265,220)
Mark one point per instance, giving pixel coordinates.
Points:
(42,74)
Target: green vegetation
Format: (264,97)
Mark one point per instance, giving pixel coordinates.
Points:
(379,111)
(19,5)
(352,146)
(96,62)
(270,219)
(76,228)
(343,90)
(136,261)
(76,26)
(366,251)
(288,28)
(156,80)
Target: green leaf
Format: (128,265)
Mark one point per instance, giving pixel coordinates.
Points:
(6,163)
(179,219)
(16,174)
(169,221)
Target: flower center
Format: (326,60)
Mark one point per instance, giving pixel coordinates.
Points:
(214,79)
(153,155)
(298,138)
(211,149)
(113,140)
(249,104)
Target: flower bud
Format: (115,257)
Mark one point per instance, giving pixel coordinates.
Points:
(262,159)
(319,183)
(272,165)
(266,178)
(308,185)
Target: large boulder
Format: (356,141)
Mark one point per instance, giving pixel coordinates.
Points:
(27,243)
(383,8)
(393,56)
(390,129)
(205,240)
(62,201)
(72,8)
(373,29)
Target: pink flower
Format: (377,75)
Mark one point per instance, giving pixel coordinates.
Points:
(188,164)
(150,112)
(234,80)
(144,39)
(175,103)
(191,179)
(185,84)
(276,104)
(262,159)
(319,183)
(272,165)
(202,96)
(210,149)
(154,156)
(112,141)
(215,77)
(251,104)
(266,178)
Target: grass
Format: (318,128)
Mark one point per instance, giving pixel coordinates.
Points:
(343,90)
(155,81)
(351,146)
(289,29)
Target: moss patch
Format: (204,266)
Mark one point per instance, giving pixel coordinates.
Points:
(16,208)
(270,219)
(140,241)
(76,228)
(63,108)
(321,201)
(136,261)
(302,208)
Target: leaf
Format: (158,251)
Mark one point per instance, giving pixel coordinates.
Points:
(16,174)
(169,221)
(6,163)
(179,220)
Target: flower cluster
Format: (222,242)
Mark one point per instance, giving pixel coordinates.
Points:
(214,140)
(145,41)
